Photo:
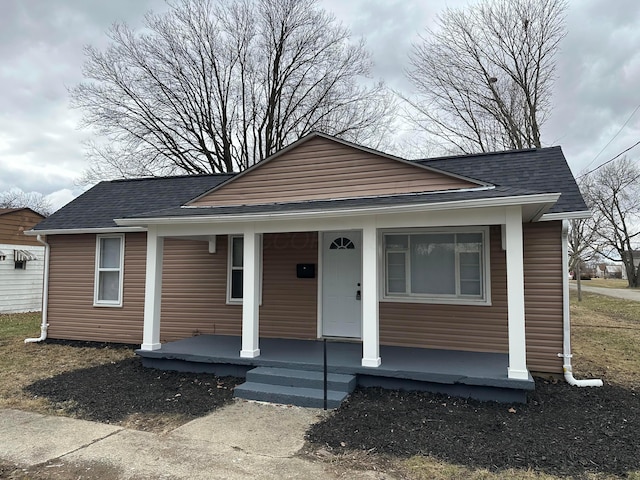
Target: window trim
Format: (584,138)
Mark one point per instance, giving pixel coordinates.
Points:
(96,282)
(484,300)
(238,301)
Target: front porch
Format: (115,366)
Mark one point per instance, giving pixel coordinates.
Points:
(461,373)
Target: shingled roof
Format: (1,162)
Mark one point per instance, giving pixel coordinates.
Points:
(512,173)
(97,207)
(541,170)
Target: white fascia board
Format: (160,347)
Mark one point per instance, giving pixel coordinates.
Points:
(543,198)
(75,231)
(566,216)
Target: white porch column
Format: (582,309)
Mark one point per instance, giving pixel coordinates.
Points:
(250,293)
(152,291)
(515,294)
(370,310)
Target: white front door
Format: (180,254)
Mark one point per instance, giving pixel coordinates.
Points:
(341,280)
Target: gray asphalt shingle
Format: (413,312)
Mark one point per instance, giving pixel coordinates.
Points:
(522,172)
(97,207)
(543,170)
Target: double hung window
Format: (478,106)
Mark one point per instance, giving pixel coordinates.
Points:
(436,266)
(109,270)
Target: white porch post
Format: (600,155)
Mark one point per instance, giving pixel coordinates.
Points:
(250,294)
(370,310)
(515,295)
(152,291)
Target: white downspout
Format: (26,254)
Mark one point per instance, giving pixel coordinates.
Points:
(566,344)
(45,295)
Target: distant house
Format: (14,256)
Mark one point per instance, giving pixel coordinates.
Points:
(21,261)
(417,271)
(604,270)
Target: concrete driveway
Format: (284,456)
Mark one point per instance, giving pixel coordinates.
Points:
(240,441)
(624,293)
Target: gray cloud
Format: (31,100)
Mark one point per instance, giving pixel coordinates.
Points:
(598,73)
(41,54)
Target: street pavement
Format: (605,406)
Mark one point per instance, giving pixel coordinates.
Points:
(624,293)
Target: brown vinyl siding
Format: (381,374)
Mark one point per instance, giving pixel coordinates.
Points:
(14,224)
(71,278)
(324,169)
(484,328)
(543,279)
(289,304)
(195,282)
(194,291)
(459,327)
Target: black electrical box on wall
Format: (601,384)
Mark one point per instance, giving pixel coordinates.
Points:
(306,270)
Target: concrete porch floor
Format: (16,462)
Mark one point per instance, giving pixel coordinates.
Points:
(460,373)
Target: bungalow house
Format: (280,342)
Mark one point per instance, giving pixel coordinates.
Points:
(445,274)
(21,262)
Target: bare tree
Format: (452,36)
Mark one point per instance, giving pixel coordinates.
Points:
(613,194)
(483,76)
(582,241)
(582,238)
(16,198)
(217,86)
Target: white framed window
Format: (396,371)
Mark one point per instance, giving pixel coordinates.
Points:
(437,265)
(109,270)
(235,268)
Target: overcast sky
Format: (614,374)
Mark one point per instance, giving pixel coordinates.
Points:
(41,54)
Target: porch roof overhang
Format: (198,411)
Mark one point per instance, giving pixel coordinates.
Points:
(534,206)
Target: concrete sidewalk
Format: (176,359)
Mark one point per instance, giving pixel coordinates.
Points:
(240,441)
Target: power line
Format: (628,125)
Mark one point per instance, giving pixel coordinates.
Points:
(610,160)
(614,137)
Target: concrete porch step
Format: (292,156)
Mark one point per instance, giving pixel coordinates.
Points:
(288,395)
(301,378)
(304,388)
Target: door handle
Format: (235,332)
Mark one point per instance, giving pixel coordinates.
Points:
(358,295)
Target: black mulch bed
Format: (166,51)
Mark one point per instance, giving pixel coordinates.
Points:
(111,392)
(562,430)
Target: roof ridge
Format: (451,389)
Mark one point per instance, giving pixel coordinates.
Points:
(486,154)
(169,177)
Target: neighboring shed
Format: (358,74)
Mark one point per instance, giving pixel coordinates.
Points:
(21,261)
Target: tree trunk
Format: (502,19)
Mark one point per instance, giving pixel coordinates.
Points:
(579,282)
